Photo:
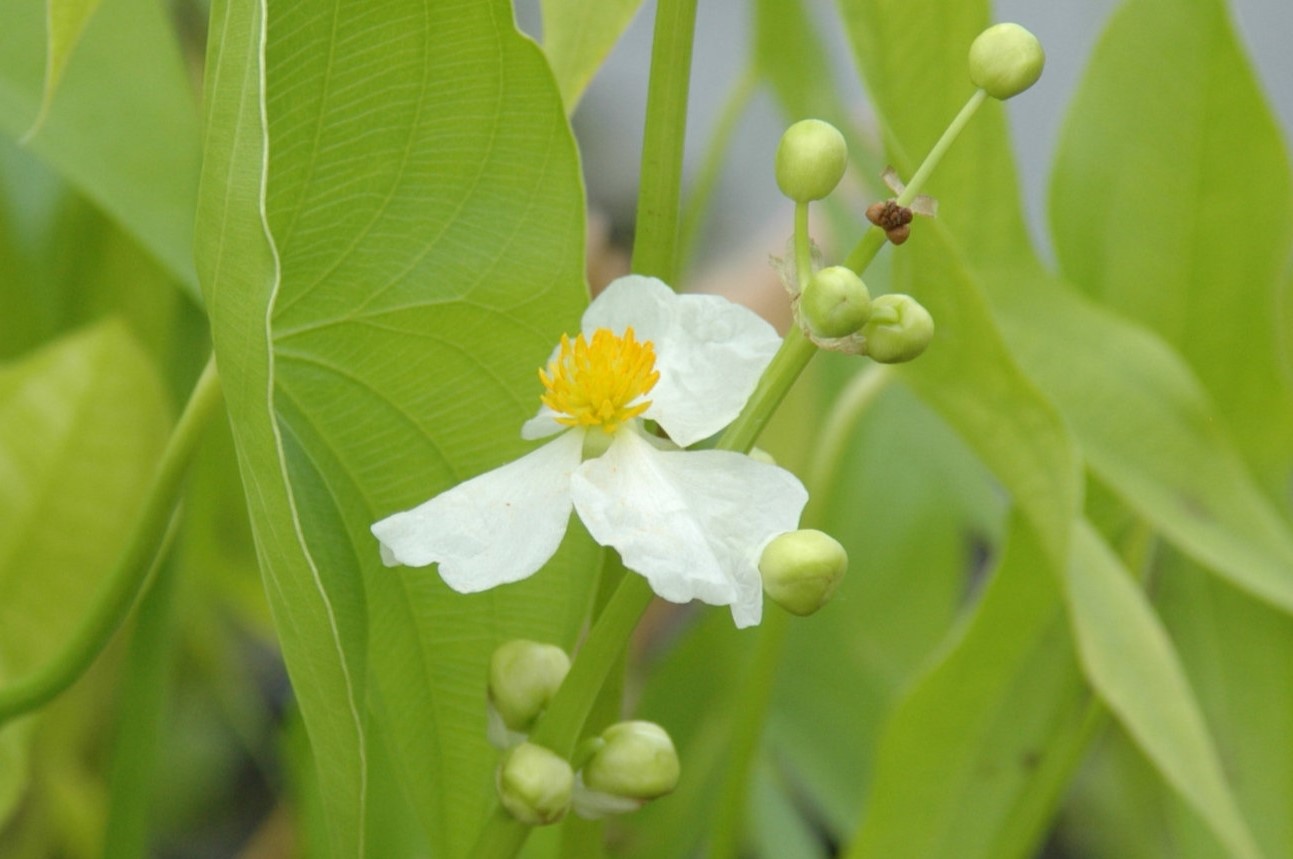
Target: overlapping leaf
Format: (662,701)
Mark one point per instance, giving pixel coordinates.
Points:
(1182,219)
(124,128)
(391,239)
(82,423)
(577,37)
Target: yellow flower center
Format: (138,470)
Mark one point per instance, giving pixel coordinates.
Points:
(600,383)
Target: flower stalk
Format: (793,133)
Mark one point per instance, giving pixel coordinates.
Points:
(873,239)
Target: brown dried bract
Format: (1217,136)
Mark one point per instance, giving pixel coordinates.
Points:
(895,220)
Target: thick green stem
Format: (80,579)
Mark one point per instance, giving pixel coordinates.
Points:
(873,239)
(135,566)
(655,247)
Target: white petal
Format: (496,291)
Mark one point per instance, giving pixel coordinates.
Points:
(496,528)
(692,522)
(542,425)
(709,351)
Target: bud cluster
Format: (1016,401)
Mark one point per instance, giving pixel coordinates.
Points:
(629,764)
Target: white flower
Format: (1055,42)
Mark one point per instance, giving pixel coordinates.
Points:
(692,522)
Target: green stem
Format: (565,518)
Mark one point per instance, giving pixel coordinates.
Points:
(140,717)
(753,700)
(791,359)
(134,568)
(754,696)
(716,158)
(873,239)
(803,247)
(655,246)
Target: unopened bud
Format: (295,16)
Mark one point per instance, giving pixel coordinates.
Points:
(899,329)
(628,765)
(1005,60)
(802,569)
(835,303)
(811,159)
(523,677)
(535,784)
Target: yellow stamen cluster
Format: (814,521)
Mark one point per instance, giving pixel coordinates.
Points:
(600,383)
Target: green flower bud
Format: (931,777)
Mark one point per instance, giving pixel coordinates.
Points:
(628,765)
(802,569)
(637,760)
(811,159)
(1005,60)
(899,329)
(535,784)
(523,677)
(835,303)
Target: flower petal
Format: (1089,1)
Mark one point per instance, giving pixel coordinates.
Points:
(542,425)
(709,351)
(692,522)
(496,528)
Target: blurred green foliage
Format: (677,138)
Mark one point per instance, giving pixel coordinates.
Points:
(1067,619)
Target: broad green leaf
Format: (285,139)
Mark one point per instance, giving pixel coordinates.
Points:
(1148,431)
(82,423)
(123,130)
(1182,218)
(382,289)
(974,758)
(65,20)
(971,378)
(577,37)
(1225,640)
(1131,663)
(317,607)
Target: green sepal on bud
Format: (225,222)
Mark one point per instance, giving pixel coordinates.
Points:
(899,329)
(1005,60)
(535,784)
(630,764)
(835,303)
(523,677)
(811,159)
(801,570)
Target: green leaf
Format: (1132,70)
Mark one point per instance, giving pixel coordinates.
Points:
(382,290)
(1142,422)
(65,20)
(1131,663)
(974,758)
(124,128)
(1226,639)
(82,423)
(577,37)
(1189,238)
(971,378)
(1148,431)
